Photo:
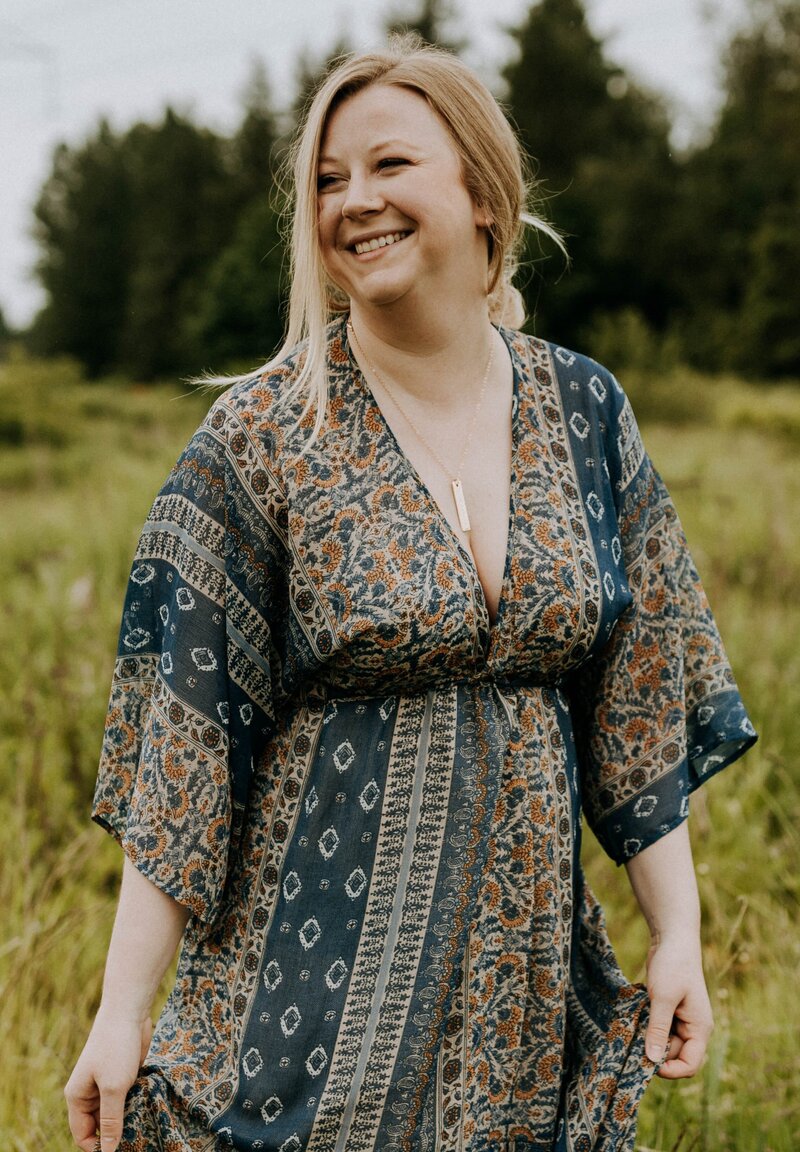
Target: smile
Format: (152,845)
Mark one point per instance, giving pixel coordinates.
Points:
(379,242)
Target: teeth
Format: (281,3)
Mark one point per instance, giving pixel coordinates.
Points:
(379,242)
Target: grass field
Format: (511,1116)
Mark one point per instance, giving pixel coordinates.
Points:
(79,465)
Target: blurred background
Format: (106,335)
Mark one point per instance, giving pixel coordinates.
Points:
(140,243)
(139,222)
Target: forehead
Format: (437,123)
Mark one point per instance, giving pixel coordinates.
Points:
(383,112)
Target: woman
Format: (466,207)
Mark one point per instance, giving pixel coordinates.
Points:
(412,593)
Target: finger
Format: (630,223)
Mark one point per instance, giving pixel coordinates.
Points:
(83,1126)
(82,1115)
(112,1106)
(686,1062)
(658,1029)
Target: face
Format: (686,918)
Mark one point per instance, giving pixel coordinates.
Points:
(396,221)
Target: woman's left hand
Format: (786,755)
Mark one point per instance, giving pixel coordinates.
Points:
(681,1020)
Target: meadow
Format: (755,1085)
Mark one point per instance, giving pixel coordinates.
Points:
(79,465)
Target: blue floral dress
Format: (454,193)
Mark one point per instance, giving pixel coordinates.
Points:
(369,796)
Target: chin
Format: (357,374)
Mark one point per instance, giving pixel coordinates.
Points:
(379,297)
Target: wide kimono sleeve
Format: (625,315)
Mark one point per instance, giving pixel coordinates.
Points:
(192,694)
(656,710)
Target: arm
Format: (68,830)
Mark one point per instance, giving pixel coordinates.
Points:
(663,880)
(147,929)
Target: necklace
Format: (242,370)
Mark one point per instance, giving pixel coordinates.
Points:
(455,481)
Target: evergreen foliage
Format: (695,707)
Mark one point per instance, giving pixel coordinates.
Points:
(83,223)
(601,149)
(432,21)
(739,214)
(160,248)
(240,310)
(184,202)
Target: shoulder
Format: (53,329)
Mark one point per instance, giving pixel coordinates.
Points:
(261,409)
(579,377)
(594,403)
(271,404)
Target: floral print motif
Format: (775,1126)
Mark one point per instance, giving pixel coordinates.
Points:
(370,797)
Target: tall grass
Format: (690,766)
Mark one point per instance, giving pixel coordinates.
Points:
(79,465)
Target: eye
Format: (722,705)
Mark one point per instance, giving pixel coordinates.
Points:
(392,162)
(326,181)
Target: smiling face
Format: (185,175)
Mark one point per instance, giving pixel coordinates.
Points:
(396,221)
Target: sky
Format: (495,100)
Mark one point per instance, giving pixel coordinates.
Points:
(66,63)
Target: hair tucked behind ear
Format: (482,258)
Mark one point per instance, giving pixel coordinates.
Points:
(493,170)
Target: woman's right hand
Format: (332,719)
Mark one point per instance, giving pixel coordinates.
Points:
(106,1069)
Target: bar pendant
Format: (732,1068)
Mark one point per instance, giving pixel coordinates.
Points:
(461,505)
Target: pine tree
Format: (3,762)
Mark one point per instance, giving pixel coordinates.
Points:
(430,21)
(741,207)
(83,228)
(184,209)
(600,148)
(254,145)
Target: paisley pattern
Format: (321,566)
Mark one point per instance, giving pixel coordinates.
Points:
(370,797)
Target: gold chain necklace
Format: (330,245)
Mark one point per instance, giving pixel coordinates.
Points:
(455,481)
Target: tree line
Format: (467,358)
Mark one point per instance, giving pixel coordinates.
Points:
(161,250)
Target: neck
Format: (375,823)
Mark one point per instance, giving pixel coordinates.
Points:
(430,356)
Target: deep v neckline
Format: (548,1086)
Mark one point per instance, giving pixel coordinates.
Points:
(487,627)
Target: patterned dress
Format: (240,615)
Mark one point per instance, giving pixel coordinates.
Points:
(369,796)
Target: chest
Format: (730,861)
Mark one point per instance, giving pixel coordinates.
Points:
(382,582)
(442,451)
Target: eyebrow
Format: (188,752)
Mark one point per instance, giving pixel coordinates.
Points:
(384,144)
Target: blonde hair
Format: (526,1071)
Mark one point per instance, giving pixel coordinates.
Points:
(493,170)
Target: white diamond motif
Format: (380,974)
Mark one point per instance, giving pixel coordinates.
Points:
(271,1109)
(598,387)
(645,806)
(204,659)
(184,599)
(316,1061)
(594,505)
(272,975)
(136,638)
(143,573)
(356,883)
(329,842)
(312,799)
(369,796)
(292,886)
(336,974)
(344,756)
(290,1020)
(252,1063)
(387,708)
(310,933)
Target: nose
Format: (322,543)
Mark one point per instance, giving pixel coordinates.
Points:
(362,197)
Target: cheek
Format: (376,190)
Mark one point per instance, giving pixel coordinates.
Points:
(329,216)
(326,237)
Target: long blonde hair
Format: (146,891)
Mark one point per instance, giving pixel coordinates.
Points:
(493,170)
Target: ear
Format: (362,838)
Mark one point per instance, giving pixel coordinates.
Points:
(483,219)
